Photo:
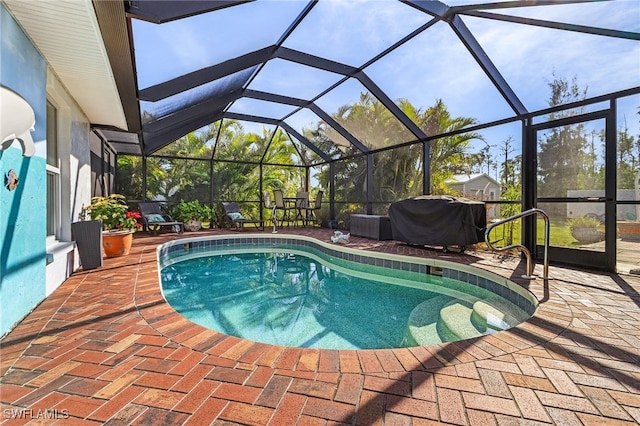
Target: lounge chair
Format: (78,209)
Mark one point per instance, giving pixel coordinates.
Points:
(154,220)
(236,219)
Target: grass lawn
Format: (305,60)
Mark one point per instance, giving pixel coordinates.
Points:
(559,234)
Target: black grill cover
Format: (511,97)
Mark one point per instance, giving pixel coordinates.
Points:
(438,221)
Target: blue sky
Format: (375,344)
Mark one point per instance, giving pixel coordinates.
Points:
(434,65)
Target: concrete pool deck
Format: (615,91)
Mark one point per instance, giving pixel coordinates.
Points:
(106,348)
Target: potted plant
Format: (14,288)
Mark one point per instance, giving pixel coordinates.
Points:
(191,213)
(118,223)
(585,229)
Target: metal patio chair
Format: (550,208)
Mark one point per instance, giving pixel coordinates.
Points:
(310,210)
(281,205)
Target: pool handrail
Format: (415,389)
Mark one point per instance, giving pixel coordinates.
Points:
(522,248)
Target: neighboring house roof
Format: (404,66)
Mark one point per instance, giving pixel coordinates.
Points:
(463,179)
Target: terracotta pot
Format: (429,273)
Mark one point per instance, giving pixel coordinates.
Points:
(116,243)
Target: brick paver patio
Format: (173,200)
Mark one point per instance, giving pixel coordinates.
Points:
(106,348)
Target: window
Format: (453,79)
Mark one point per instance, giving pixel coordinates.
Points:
(106,176)
(53,174)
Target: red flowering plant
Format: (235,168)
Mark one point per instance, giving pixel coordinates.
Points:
(131,221)
(113,212)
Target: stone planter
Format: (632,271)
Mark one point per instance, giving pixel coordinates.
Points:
(193,225)
(629,230)
(587,235)
(116,243)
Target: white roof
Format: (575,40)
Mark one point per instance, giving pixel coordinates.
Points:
(68,36)
(471,177)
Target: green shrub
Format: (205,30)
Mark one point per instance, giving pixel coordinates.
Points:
(583,222)
(192,210)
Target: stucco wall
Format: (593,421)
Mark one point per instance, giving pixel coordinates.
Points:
(22,210)
(32,266)
(74,152)
(75,189)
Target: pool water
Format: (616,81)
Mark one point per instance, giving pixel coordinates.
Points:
(291,299)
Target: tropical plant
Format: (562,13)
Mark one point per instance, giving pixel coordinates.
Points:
(511,190)
(128,180)
(397,173)
(583,222)
(585,229)
(185,168)
(113,212)
(185,211)
(448,155)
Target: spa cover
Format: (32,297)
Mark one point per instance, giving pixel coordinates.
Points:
(438,220)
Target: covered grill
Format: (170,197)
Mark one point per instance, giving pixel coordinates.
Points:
(438,221)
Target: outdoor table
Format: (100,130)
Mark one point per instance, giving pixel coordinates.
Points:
(300,203)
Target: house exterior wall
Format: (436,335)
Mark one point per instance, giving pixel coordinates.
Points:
(33,265)
(75,190)
(481,188)
(22,225)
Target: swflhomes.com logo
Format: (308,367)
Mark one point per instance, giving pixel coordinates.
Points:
(27,413)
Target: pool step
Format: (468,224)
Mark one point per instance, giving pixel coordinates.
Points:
(490,316)
(445,319)
(423,320)
(455,322)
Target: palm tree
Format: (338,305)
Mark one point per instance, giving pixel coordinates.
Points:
(398,172)
(448,154)
(281,150)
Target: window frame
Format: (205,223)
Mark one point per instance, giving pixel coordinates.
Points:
(53,175)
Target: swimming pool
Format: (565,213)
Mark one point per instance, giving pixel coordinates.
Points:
(298,291)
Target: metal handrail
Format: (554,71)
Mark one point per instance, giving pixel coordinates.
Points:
(522,248)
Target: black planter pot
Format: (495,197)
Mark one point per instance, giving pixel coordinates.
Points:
(88,237)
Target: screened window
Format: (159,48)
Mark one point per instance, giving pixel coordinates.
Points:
(53,174)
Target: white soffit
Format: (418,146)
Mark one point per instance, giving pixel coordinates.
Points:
(67,34)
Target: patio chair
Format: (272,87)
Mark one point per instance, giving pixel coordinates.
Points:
(310,210)
(278,199)
(154,220)
(236,219)
(302,202)
(269,205)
